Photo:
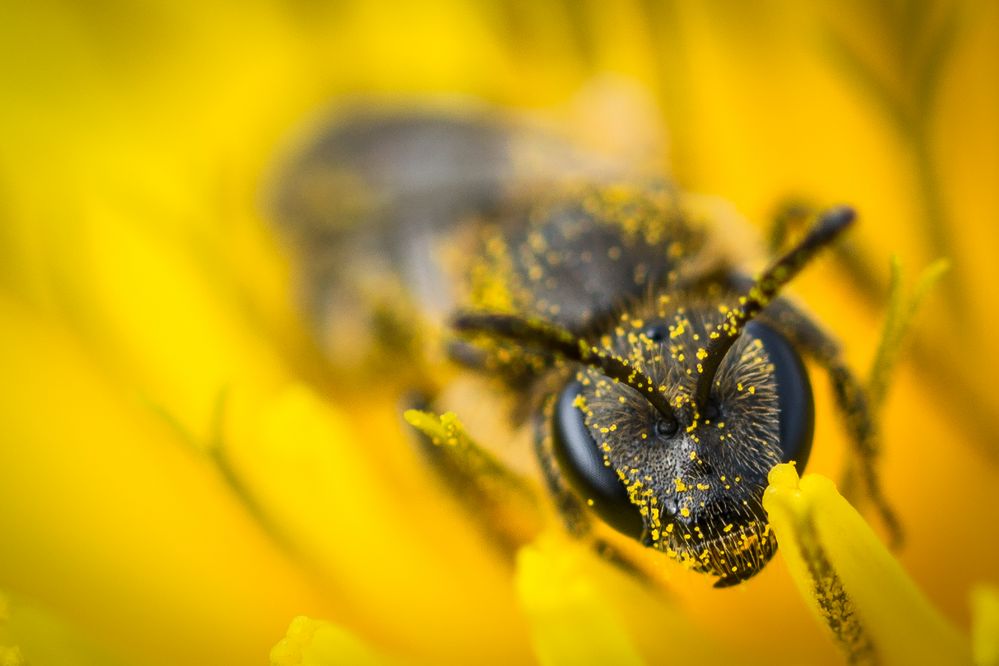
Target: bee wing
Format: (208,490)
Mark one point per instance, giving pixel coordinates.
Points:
(370,199)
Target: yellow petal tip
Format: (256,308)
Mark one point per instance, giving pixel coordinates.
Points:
(985,629)
(288,651)
(414,417)
(317,643)
(784,477)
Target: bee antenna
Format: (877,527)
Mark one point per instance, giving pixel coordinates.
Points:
(826,229)
(565,344)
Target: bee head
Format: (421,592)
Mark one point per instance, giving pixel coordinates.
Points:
(673,420)
(689,482)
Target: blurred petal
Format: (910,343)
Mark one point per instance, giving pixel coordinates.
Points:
(851,582)
(11,656)
(389,549)
(571,623)
(32,635)
(985,630)
(315,643)
(113,524)
(901,312)
(584,609)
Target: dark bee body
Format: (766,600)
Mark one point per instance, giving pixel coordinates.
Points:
(629,269)
(657,405)
(577,255)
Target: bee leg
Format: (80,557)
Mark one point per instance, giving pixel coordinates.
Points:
(851,398)
(502,503)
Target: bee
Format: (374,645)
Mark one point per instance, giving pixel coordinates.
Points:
(659,381)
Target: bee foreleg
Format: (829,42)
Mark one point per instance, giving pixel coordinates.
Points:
(852,400)
(502,503)
(851,397)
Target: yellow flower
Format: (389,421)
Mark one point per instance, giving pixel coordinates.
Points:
(852,583)
(182,472)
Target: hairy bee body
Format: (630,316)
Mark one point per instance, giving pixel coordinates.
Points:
(382,206)
(631,268)
(601,272)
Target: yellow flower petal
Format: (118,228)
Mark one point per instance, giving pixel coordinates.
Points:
(985,631)
(30,634)
(104,511)
(571,622)
(316,643)
(851,582)
(388,548)
(11,656)
(584,609)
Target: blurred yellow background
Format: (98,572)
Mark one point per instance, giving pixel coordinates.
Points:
(181,473)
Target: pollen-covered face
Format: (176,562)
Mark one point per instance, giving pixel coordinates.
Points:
(688,482)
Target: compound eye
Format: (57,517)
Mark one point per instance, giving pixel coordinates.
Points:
(582,464)
(794,394)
